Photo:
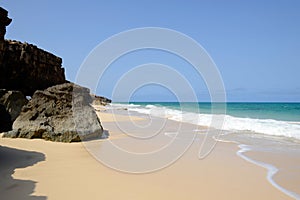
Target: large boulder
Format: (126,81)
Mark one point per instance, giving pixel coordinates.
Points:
(60,113)
(11,103)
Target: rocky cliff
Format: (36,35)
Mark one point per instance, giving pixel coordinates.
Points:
(26,68)
(58,110)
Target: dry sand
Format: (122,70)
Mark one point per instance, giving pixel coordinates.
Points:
(37,169)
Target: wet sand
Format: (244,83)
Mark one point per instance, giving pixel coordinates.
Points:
(287,163)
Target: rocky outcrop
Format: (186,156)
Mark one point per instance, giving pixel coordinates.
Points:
(98,100)
(11,103)
(26,68)
(58,110)
(4,21)
(60,113)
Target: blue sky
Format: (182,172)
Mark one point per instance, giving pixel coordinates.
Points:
(255,44)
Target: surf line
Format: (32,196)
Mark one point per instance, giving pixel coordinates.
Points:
(272,170)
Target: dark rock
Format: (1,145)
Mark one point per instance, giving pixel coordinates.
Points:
(11,103)
(5,120)
(26,68)
(60,113)
(98,100)
(4,21)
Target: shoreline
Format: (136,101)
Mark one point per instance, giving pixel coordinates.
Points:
(272,171)
(278,173)
(70,167)
(259,158)
(282,168)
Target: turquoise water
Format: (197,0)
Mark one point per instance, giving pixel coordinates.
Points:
(273,119)
(276,111)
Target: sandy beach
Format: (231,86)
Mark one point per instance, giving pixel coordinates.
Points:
(149,100)
(38,169)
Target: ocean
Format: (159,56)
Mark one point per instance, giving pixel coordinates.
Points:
(268,129)
(274,119)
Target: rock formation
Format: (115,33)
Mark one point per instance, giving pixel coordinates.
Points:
(97,100)
(11,103)
(58,110)
(26,68)
(4,21)
(60,113)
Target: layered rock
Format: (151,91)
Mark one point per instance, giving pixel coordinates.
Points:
(26,68)
(60,113)
(11,103)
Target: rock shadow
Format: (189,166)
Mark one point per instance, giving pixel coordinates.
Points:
(11,159)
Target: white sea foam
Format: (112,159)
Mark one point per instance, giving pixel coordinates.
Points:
(263,126)
(272,170)
(119,105)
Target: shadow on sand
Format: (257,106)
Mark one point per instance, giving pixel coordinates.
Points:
(10,188)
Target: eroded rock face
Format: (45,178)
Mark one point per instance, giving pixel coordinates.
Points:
(11,103)
(60,113)
(26,68)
